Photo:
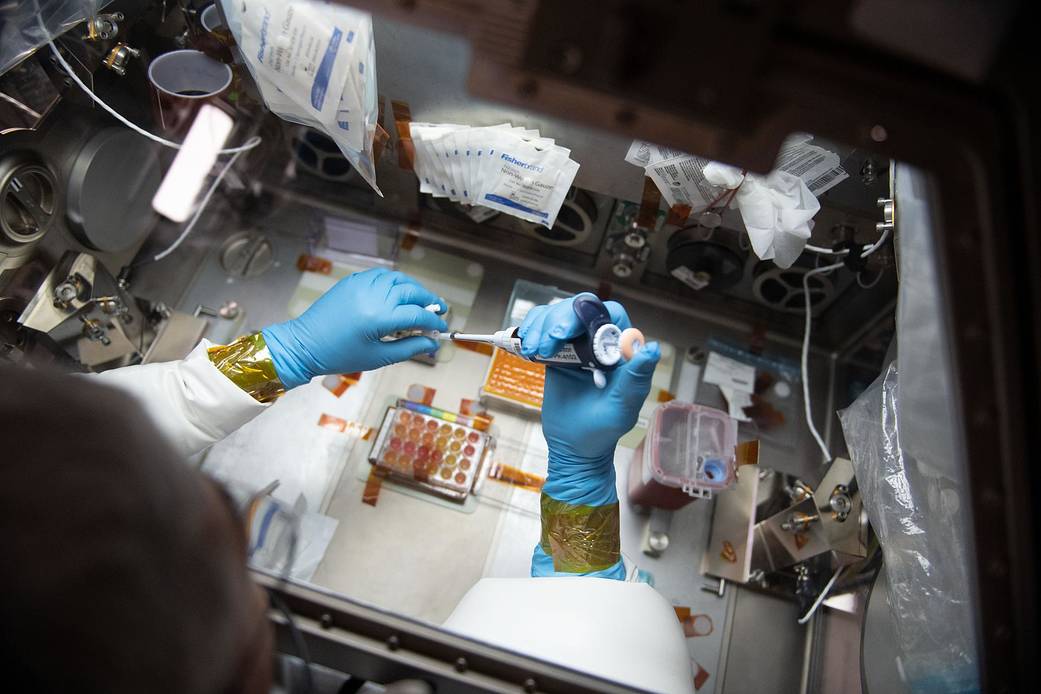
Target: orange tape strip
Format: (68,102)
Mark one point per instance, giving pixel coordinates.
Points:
(678,215)
(649,203)
(747,453)
(665,396)
(411,237)
(358,429)
(406,150)
(312,263)
(379,142)
(417,392)
(337,384)
(371,494)
(515,476)
(700,677)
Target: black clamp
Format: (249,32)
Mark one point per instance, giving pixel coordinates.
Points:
(854,259)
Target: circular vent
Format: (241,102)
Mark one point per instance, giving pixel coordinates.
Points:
(575,221)
(26,200)
(247,254)
(318,154)
(782,289)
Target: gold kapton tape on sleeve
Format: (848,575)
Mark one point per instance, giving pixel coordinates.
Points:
(247,363)
(581,539)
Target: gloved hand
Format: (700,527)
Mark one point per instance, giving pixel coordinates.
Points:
(341,331)
(582,423)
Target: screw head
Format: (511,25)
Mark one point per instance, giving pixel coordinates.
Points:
(460,664)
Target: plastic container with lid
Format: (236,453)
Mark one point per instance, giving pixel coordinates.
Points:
(688,453)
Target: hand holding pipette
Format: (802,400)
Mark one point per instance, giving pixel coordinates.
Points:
(583,335)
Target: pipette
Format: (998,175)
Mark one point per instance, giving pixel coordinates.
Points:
(599,349)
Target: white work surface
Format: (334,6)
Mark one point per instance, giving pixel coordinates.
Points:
(418,556)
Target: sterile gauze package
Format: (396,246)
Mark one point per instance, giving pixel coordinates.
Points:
(493,169)
(528,182)
(314,64)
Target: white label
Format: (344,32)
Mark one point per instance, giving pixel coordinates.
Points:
(690,278)
(645,154)
(681,180)
(828,180)
(728,373)
(817,167)
(566,355)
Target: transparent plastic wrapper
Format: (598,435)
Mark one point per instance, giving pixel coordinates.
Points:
(688,453)
(924,358)
(920,520)
(20,24)
(332,89)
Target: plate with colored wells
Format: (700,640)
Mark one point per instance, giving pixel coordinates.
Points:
(439,454)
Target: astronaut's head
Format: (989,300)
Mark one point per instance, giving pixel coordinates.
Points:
(123,568)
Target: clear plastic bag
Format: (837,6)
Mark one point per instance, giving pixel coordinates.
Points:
(338,96)
(922,521)
(20,24)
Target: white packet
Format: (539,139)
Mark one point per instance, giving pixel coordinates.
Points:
(529,183)
(450,145)
(440,143)
(434,174)
(479,147)
(423,162)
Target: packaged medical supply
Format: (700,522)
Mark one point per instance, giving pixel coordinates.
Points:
(314,64)
(777,209)
(501,168)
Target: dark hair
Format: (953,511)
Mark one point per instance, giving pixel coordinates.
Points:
(117,575)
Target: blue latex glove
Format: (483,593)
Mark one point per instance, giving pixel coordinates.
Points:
(582,423)
(340,333)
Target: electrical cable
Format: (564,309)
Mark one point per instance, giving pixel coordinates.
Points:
(198,211)
(877,244)
(824,251)
(867,251)
(806,354)
(878,277)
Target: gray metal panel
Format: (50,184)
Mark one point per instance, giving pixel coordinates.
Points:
(766,646)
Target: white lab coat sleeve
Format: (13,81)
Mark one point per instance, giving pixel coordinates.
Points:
(193,404)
